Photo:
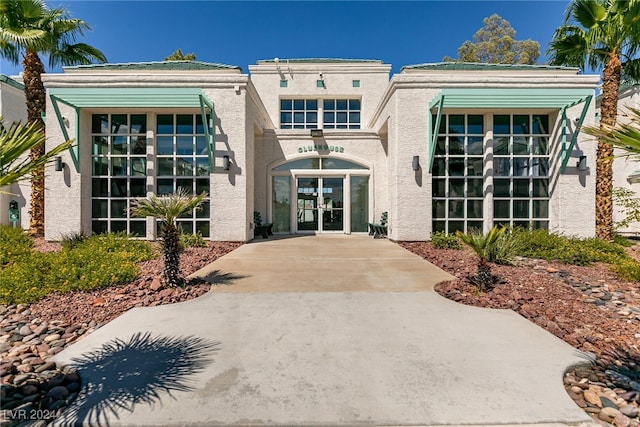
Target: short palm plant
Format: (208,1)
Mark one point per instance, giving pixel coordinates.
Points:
(485,246)
(167,209)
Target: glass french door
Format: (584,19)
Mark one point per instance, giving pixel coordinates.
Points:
(320,204)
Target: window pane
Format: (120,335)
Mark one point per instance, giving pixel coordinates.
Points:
(341,104)
(540,209)
(202,166)
(456,208)
(138,187)
(165,123)
(119,123)
(184,166)
(501,188)
(298,104)
(456,226)
(100,145)
(119,144)
(99,227)
(439,208)
(186,184)
(100,166)
(203,228)
(202,186)
(521,209)
(165,186)
(354,117)
(300,164)
(456,146)
(312,104)
(99,187)
(474,145)
(185,123)
(139,145)
(456,188)
(204,211)
(501,209)
(456,167)
(341,117)
(119,166)
(439,168)
(119,187)
(99,208)
(201,145)
(118,208)
(286,117)
(520,145)
(540,167)
(520,124)
(439,226)
(165,166)
(286,104)
(521,188)
(184,145)
(329,104)
(475,125)
(165,145)
(312,118)
(138,228)
(540,145)
(329,118)
(138,123)
(438,188)
(501,145)
(521,166)
(540,124)
(474,209)
(138,166)
(99,123)
(501,166)
(440,145)
(501,125)
(475,166)
(333,163)
(540,188)
(474,188)
(354,104)
(298,117)
(456,124)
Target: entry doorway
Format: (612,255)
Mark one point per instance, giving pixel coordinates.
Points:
(320,202)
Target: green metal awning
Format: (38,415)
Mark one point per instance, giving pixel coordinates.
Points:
(78,98)
(510,98)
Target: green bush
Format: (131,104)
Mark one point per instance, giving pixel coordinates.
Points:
(188,240)
(71,240)
(442,240)
(505,249)
(95,262)
(14,244)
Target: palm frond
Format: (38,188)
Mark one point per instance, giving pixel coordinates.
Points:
(15,144)
(625,136)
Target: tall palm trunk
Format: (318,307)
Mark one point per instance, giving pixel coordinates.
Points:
(36,101)
(604,168)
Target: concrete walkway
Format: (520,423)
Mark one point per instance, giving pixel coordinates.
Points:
(322,330)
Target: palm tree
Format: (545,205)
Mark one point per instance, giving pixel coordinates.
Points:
(167,209)
(29,28)
(15,142)
(485,247)
(601,34)
(625,136)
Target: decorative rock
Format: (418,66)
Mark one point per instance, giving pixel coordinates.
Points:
(607,403)
(48,366)
(608,414)
(52,337)
(621,420)
(25,331)
(630,411)
(58,393)
(56,380)
(593,398)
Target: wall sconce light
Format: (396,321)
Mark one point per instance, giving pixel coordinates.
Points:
(58,164)
(582,164)
(316,133)
(415,164)
(226,162)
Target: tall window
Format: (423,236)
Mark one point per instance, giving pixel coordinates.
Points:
(119,170)
(521,170)
(458,174)
(183,162)
(326,113)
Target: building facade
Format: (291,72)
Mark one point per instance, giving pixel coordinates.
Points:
(323,146)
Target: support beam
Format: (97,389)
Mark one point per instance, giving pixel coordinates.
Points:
(75,148)
(209,130)
(439,101)
(566,150)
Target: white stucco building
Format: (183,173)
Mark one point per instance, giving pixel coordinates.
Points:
(324,146)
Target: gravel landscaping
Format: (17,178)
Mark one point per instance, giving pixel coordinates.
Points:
(588,307)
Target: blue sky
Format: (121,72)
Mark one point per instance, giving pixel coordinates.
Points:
(242,32)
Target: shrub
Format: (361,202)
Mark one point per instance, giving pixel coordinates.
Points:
(95,262)
(71,240)
(484,245)
(192,241)
(14,243)
(505,249)
(442,240)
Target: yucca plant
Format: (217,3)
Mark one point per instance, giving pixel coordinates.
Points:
(167,209)
(484,246)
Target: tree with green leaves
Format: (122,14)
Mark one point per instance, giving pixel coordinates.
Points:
(15,143)
(495,43)
(29,29)
(178,56)
(602,34)
(167,209)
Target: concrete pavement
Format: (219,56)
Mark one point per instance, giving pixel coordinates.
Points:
(322,330)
